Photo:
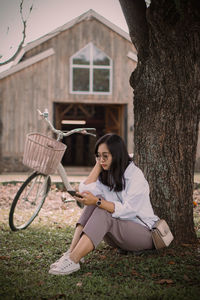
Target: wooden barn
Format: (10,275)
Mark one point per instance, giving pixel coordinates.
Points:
(80,72)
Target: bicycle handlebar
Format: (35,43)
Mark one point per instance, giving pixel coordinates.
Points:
(60,133)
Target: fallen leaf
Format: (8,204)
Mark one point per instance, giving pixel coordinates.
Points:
(102,257)
(186,245)
(5,257)
(88,274)
(171,262)
(40,283)
(195,203)
(134,272)
(79,284)
(168,281)
(186,277)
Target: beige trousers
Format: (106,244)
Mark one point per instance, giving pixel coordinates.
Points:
(98,225)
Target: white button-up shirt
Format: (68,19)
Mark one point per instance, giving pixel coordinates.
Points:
(131,202)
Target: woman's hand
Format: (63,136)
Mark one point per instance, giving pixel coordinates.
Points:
(98,165)
(88,198)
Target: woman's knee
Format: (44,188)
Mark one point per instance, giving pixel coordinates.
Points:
(86,214)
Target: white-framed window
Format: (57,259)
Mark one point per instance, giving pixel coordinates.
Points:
(90,71)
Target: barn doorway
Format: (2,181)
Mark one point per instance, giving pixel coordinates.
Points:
(105,118)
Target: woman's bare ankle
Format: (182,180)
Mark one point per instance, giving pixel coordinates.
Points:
(74,258)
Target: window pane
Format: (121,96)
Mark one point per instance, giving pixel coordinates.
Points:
(83,57)
(101,80)
(99,58)
(80,79)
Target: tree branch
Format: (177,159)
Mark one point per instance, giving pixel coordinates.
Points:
(23,34)
(135,15)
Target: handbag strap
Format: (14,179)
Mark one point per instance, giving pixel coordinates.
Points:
(143,222)
(118,197)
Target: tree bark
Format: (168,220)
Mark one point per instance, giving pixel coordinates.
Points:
(167,108)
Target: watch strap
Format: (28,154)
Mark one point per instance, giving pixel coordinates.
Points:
(98,203)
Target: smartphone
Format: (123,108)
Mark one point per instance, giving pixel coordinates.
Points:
(74,193)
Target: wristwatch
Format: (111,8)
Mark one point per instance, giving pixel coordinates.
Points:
(98,203)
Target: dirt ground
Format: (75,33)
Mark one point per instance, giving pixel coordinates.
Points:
(55,211)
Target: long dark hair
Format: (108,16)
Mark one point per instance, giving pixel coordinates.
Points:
(114,177)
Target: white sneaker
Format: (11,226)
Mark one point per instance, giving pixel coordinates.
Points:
(65,254)
(65,267)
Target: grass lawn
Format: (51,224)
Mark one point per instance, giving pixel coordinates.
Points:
(25,256)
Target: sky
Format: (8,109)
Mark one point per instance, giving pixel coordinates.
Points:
(47,15)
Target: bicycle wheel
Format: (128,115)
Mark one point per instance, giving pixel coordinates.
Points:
(28,201)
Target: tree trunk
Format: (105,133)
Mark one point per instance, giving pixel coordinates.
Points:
(167,111)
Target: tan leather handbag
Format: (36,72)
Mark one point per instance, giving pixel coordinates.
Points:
(161,233)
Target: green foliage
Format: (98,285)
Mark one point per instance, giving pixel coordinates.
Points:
(25,257)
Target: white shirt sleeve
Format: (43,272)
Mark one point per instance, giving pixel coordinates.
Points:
(132,201)
(94,188)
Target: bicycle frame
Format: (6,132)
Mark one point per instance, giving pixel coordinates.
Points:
(64,177)
(60,135)
(31,187)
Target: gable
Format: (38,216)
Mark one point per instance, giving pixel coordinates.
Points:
(88,27)
(86,16)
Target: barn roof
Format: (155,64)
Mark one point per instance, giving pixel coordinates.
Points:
(17,65)
(86,16)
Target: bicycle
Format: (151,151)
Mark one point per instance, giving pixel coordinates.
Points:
(43,154)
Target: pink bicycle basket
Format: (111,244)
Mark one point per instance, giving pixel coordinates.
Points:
(42,153)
